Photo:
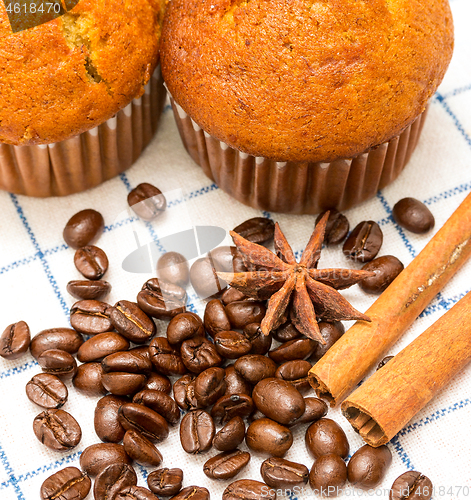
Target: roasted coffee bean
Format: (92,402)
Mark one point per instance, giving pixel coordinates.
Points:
(107,425)
(328,475)
(65,339)
(230,406)
(278,400)
(364,242)
(123,383)
(385,360)
(248,489)
(260,343)
(199,354)
(91,262)
(204,279)
(83,228)
(159,299)
(243,313)
(57,430)
(152,425)
(235,383)
(386,268)
(226,259)
(293,349)
(286,332)
(193,493)
(98,456)
(140,449)
(173,267)
(132,322)
(210,386)
(135,493)
(169,291)
(282,474)
(296,373)
(368,466)
(197,431)
(160,402)
(101,345)
(90,317)
(412,485)
(255,367)
(232,345)
(215,318)
(165,358)
(87,379)
(165,482)
(326,436)
(15,340)
(58,362)
(413,215)
(47,390)
(268,437)
(112,480)
(158,382)
(67,484)
(226,465)
(184,392)
(257,230)
(184,326)
(147,201)
(232,295)
(315,410)
(230,436)
(330,332)
(337,227)
(88,290)
(127,361)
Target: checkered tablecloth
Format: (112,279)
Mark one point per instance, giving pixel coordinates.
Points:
(35,266)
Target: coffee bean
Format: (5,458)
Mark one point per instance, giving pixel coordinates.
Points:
(127,361)
(140,449)
(83,228)
(413,215)
(57,430)
(296,372)
(87,379)
(193,493)
(90,317)
(260,343)
(328,475)
(123,383)
(330,332)
(107,425)
(226,259)
(368,466)
(98,456)
(364,242)
(160,402)
(135,493)
(282,474)
(112,480)
(132,322)
(215,318)
(165,358)
(230,406)
(152,425)
(315,410)
(147,201)
(226,465)
(158,382)
(243,313)
(88,290)
(385,360)
(326,436)
(58,362)
(232,345)
(255,367)
(102,345)
(278,400)
(65,339)
(173,267)
(91,262)
(184,392)
(47,390)
(210,385)
(199,354)
(286,332)
(165,482)
(184,326)
(293,349)
(235,383)
(268,437)
(257,230)
(232,295)
(159,299)
(67,484)
(386,268)
(337,227)
(204,279)
(412,485)
(15,340)
(248,489)
(197,432)
(230,436)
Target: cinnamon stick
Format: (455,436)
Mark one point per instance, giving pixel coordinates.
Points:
(365,344)
(384,404)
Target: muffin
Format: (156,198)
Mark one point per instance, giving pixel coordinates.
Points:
(302,106)
(80,95)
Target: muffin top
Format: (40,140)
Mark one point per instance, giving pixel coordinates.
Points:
(305,80)
(70,74)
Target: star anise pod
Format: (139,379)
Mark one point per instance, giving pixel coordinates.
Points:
(278,277)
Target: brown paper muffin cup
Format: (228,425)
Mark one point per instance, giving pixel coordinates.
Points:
(297,187)
(88,159)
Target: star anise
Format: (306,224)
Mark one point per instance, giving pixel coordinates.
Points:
(278,277)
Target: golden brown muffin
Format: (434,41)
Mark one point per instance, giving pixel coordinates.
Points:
(305,80)
(71,74)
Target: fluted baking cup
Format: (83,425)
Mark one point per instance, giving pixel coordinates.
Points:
(88,159)
(297,187)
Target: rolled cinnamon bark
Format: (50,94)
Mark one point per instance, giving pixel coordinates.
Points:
(389,399)
(365,344)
